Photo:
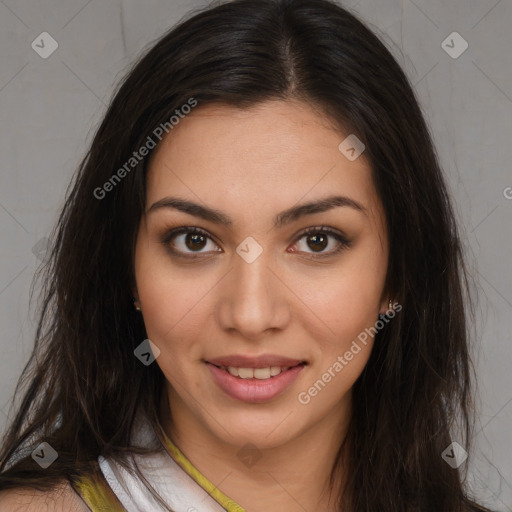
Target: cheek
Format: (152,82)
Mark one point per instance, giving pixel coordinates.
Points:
(168,297)
(163,295)
(172,311)
(173,324)
(347,298)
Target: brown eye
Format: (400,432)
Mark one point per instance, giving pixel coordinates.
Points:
(189,242)
(317,239)
(195,241)
(317,242)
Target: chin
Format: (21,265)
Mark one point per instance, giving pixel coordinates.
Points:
(262,430)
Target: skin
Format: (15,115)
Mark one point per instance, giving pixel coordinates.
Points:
(252,164)
(61,499)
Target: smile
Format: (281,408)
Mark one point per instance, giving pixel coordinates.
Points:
(254,385)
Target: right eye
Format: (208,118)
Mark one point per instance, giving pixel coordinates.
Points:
(194,239)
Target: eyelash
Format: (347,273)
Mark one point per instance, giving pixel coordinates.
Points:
(342,240)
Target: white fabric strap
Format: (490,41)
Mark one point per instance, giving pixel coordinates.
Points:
(175,487)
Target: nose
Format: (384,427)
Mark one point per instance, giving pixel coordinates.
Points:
(253,300)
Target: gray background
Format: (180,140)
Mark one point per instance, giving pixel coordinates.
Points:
(50,107)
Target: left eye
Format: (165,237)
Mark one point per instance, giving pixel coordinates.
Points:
(318,239)
(195,239)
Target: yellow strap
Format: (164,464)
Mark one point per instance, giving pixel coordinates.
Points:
(96,493)
(228,504)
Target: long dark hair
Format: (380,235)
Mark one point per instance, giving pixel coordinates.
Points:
(83,385)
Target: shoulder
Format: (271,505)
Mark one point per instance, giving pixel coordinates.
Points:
(61,498)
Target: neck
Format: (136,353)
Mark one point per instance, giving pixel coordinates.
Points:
(293,476)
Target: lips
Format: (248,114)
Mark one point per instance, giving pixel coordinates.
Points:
(254,390)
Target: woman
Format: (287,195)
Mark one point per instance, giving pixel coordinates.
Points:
(256,294)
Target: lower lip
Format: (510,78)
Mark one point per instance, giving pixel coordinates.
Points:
(254,390)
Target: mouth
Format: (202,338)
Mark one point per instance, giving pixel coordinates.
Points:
(254,383)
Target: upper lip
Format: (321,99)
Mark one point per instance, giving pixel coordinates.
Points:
(262,361)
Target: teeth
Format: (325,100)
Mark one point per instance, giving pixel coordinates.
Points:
(275,370)
(245,373)
(255,373)
(262,373)
(233,371)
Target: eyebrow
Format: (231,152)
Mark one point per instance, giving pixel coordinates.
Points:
(285,217)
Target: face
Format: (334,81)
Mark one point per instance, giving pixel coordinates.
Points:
(261,283)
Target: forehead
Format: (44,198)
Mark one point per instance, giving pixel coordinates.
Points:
(276,154)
